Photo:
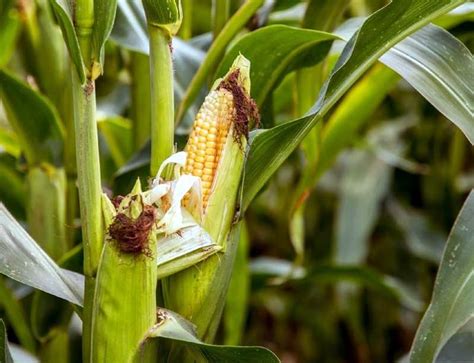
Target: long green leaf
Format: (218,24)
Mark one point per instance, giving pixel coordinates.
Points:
(9,30)
(451,305)
(64,11)
(117,132)
(173,327)
(23,260)
(104,13)
(377,35)
(285,48)
(34,120)
(12,186)
(5,355)
(441,68)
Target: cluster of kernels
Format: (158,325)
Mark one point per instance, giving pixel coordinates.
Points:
(208,137)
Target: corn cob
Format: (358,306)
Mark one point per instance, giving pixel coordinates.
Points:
(208,137)
(216,154)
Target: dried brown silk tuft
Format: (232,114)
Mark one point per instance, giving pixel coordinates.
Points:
(245,107)
(131,235)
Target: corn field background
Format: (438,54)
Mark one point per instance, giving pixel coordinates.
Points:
(236,181)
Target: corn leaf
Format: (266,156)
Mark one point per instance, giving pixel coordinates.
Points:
(377,35)
(34,120)
(451,304)
(104,13)
(279,270)
(130,29)
(365,184)
(285,48)
(9,30)
(441,68)
(173,327)
(64,11)
(117,132)
(23,260)
(422,238)
(12,186)
(5,355)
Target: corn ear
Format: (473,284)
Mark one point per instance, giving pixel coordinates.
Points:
(198,293)
(125,305)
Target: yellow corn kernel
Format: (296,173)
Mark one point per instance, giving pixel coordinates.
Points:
(208,137)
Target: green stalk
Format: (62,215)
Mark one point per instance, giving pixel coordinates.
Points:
(89,180)
(162,97)
(217,49)
(186,30)
(140,70)
(220,15)
(88,170)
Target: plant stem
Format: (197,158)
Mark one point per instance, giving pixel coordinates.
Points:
(140,70)
(186,29)
(220,15)
(89,180)
(213,57)
(162,97)
(88,170)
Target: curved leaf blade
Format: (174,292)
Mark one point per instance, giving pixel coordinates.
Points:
(64,11)
(34,120)
(104,12)
(285,49)
(441,69)
(23,260)
(173,327)
(451,305)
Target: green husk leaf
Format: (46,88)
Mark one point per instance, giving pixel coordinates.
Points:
(177,252)
(124,293)
(165,14)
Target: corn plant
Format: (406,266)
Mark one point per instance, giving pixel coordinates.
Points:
(143,145)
